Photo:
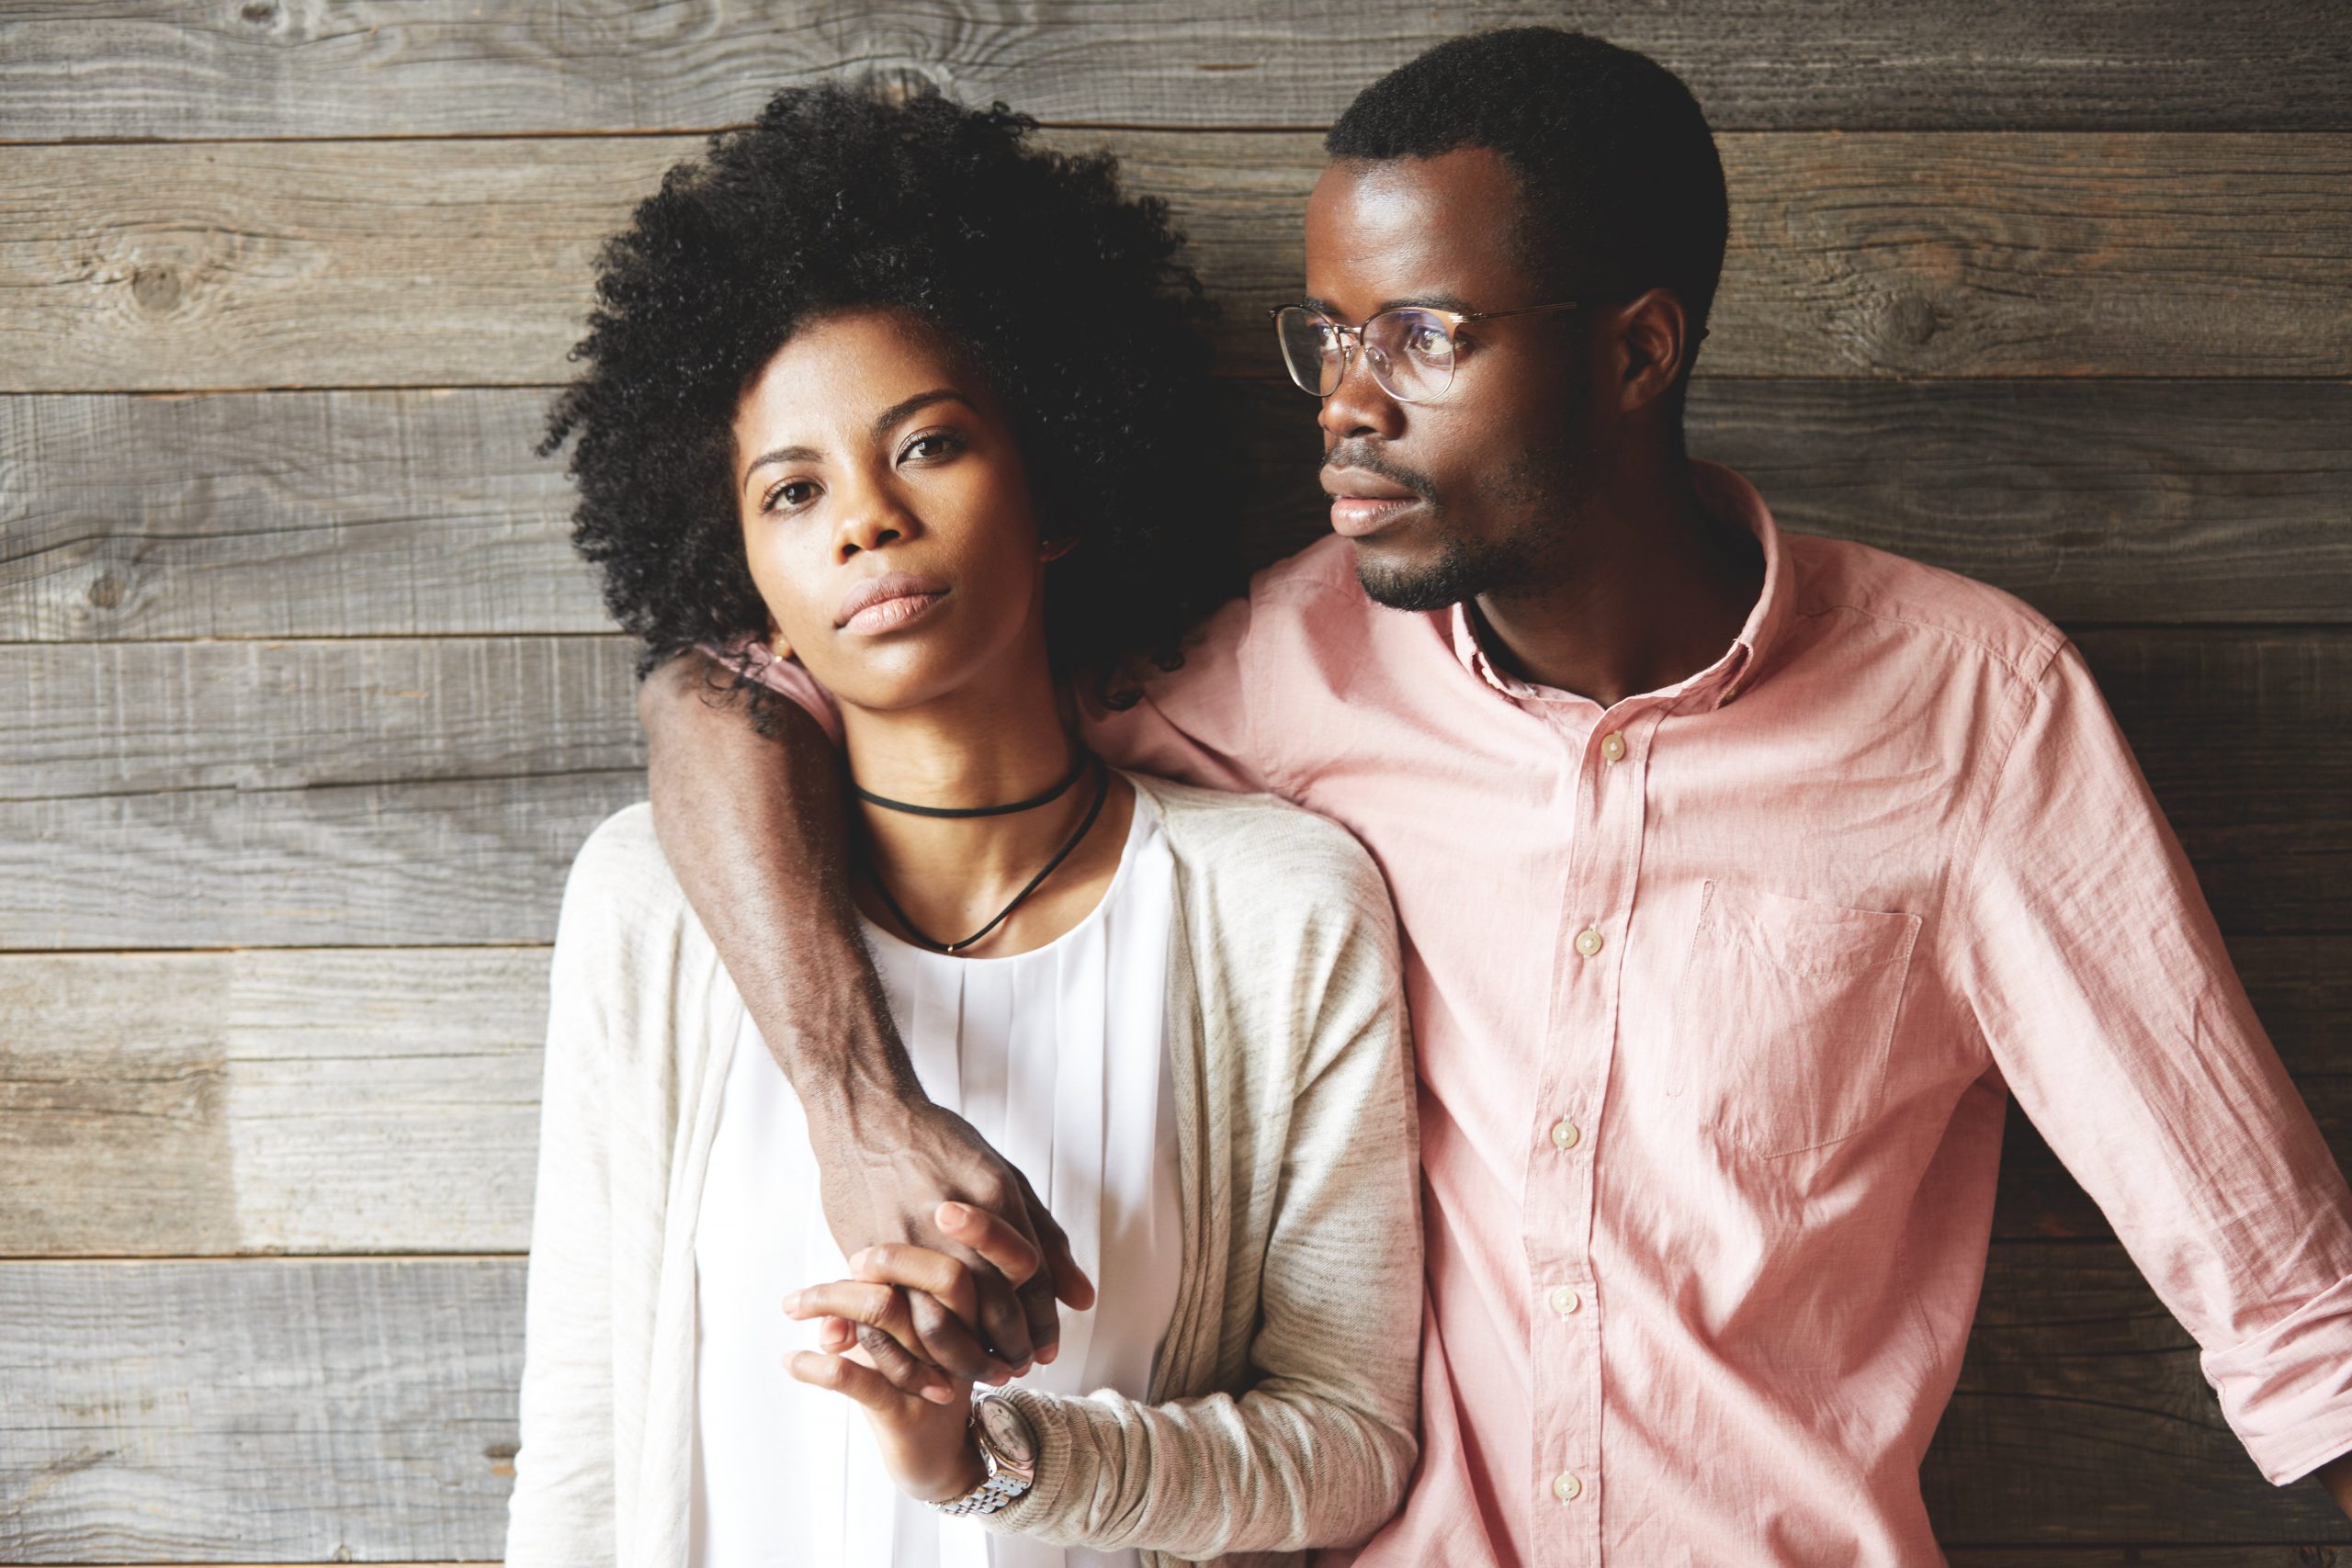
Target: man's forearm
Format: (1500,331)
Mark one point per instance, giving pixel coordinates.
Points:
(756,829)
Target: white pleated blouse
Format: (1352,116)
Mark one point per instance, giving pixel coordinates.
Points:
(1057,1057)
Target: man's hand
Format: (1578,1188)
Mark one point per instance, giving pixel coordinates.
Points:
(756,830)
(882,1178)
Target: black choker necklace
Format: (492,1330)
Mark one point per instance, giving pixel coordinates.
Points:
(1077,768)
(1102,793)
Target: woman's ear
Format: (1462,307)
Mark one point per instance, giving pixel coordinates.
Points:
(776,645)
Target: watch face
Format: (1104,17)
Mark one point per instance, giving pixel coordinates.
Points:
(1007,1431)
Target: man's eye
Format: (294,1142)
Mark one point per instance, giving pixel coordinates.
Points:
(1429,343)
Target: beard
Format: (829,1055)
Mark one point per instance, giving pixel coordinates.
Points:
(1542,492)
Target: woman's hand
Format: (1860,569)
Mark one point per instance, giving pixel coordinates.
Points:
(926,1440)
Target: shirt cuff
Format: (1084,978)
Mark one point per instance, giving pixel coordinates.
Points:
(757,662)
(2287,1392)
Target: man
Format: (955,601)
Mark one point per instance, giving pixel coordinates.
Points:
(1740,872)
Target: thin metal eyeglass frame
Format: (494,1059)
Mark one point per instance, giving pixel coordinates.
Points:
(1454,321)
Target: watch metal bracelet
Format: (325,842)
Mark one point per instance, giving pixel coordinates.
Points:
(1008,1447)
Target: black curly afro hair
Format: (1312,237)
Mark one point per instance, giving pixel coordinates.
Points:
(1067,296)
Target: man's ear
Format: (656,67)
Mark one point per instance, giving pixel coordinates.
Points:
(1653,337)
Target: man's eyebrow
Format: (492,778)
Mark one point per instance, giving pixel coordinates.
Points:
(1436,302)
(882,423)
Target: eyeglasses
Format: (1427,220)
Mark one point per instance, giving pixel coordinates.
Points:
(1409,349)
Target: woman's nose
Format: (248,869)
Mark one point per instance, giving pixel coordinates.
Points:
(875,518)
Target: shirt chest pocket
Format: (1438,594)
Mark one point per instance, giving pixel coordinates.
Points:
(1785,1016)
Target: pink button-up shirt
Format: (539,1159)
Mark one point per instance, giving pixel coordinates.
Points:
(1717,994)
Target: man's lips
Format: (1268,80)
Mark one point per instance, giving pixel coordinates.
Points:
(886,602)
(1364,502)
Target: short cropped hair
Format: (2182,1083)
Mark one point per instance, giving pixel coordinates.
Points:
(1065,295)
(1620,187)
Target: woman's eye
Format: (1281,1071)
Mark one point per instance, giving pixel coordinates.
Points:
(791,495)
(933,443)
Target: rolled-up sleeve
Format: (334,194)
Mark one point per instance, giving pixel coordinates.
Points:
(2109,1001)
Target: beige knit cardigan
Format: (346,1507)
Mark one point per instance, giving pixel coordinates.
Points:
(1282,1410)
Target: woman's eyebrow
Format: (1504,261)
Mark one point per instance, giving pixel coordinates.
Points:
(899,410)
(780,455)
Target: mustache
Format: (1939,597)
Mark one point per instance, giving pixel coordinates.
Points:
(1361,456)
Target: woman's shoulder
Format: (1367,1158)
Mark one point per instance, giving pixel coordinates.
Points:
(620,868)
(625,918)
(1264,861)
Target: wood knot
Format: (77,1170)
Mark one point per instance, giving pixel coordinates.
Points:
(260,13)
(105,590)
(1912,320)
(157,288)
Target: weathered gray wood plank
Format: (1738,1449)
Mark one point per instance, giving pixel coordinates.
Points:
(2081,1416)
(467,263)
(457,862)
(186,1104)
(278,68)
(2245,736)
(404,514)
(362,1100)
(313,1411)
(118,718)
(370,1407)
(285,514)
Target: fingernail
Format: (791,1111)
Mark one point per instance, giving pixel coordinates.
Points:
(1045,1357)
(939,1396)
(954,1215)
(792,1301)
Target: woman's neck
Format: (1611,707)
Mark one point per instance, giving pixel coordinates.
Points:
(951,876)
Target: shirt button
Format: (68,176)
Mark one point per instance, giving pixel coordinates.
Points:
(1565,1301)
(1612,746)
(1588,942)
(1565,1133)
(1567,1487)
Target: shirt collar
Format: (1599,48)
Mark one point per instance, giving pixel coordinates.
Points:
(1728,496)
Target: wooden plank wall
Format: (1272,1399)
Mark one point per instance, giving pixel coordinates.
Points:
(307,703)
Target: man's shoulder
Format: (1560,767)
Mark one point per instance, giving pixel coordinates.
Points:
(1922,600)
(1320,579)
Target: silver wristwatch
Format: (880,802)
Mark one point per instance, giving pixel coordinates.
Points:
(1008,1447)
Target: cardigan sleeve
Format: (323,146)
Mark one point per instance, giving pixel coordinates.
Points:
(562,1511)
(1315,1449)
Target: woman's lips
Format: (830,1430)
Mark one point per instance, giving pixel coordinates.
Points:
(890,603)
(891,615)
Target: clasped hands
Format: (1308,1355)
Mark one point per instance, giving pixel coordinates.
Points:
(901,1337)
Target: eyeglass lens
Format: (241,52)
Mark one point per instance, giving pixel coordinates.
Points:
(1408,351)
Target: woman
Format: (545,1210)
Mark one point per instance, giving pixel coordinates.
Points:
(879,386)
